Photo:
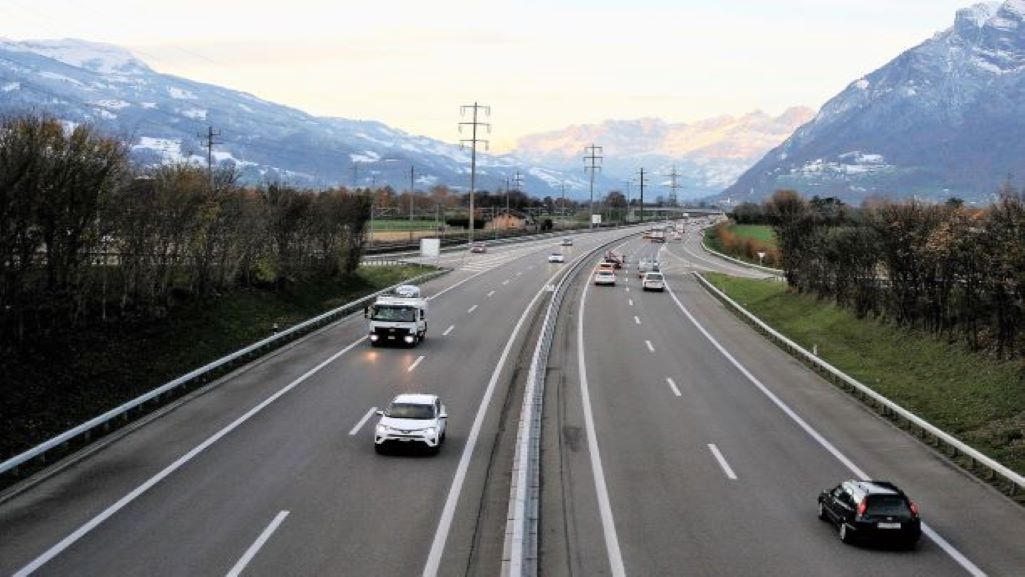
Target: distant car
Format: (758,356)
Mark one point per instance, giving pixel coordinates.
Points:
(647,265)
(871,509)
(412,419)
(568,241)
(605,277)
(653,281)
(478,247)
(556,257)
(409,291)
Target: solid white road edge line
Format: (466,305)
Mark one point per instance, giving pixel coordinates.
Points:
(255,547)
(650,348)
(415,363)
(449,510)
(448,330)
(956,555)
(149,483)
(604,507)
(672,385)
(362,422)
(722,462)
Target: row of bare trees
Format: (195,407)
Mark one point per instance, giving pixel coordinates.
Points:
(85,235)
(954,271)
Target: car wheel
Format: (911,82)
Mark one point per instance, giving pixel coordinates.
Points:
(845,535)
(822,511)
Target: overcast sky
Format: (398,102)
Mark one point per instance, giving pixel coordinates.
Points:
(540,64)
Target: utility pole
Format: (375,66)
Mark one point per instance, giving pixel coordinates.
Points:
(411,194)
(592,163)
(518,181)
(626,217)
(643,180)
(210,137)
(355,174)
(473,140)
(562,212)
(673,186)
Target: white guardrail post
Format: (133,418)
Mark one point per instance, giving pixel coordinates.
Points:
(85,429)
(1016,482)
(519,552)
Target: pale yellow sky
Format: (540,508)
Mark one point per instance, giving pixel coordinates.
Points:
(540,65)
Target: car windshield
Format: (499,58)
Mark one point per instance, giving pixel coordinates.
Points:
(888,505)
(410,411)
(394,314)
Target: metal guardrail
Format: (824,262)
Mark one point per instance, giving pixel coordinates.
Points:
(888,408)
(770,270)
(519,552)
(104,420)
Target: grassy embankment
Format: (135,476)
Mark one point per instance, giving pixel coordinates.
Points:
(64,380)
(974,397)
(744,241)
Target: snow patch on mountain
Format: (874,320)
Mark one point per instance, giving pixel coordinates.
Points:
(180,93)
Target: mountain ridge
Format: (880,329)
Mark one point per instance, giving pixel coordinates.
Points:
(941,119)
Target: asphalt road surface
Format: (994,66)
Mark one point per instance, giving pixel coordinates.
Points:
(677,441)
(273,471)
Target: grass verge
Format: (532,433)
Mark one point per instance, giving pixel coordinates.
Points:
(64,380)
(974,397)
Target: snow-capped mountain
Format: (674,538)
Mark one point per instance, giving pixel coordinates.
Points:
(709,154)
(945,118)
(166,119)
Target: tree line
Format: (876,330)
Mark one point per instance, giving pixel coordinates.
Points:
(951,270)
(86,236)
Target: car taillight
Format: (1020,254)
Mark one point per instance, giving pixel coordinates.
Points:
(914,510)
(862,507)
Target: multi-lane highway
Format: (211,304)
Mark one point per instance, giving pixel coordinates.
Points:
(676,441)
(273,471)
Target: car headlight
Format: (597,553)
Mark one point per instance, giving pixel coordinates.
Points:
(382,429)
(408,339)
(374,337)
(430,432)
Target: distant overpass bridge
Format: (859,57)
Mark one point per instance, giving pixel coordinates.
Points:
(661,212)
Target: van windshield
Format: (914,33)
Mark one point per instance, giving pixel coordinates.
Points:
(394,314)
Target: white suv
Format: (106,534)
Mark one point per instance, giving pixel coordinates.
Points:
(605,277)
(653,281)
(412,419)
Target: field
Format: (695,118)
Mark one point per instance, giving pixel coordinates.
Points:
(976,398)
(745,241)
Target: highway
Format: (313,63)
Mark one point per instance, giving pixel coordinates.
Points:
(677,441)
(273,471)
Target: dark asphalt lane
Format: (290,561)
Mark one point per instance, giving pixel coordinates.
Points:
(674,508)
(350,511)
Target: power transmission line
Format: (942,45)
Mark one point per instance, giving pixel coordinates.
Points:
(473,141)
(210,136)
(592,163)
(642,180)
(673,186)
